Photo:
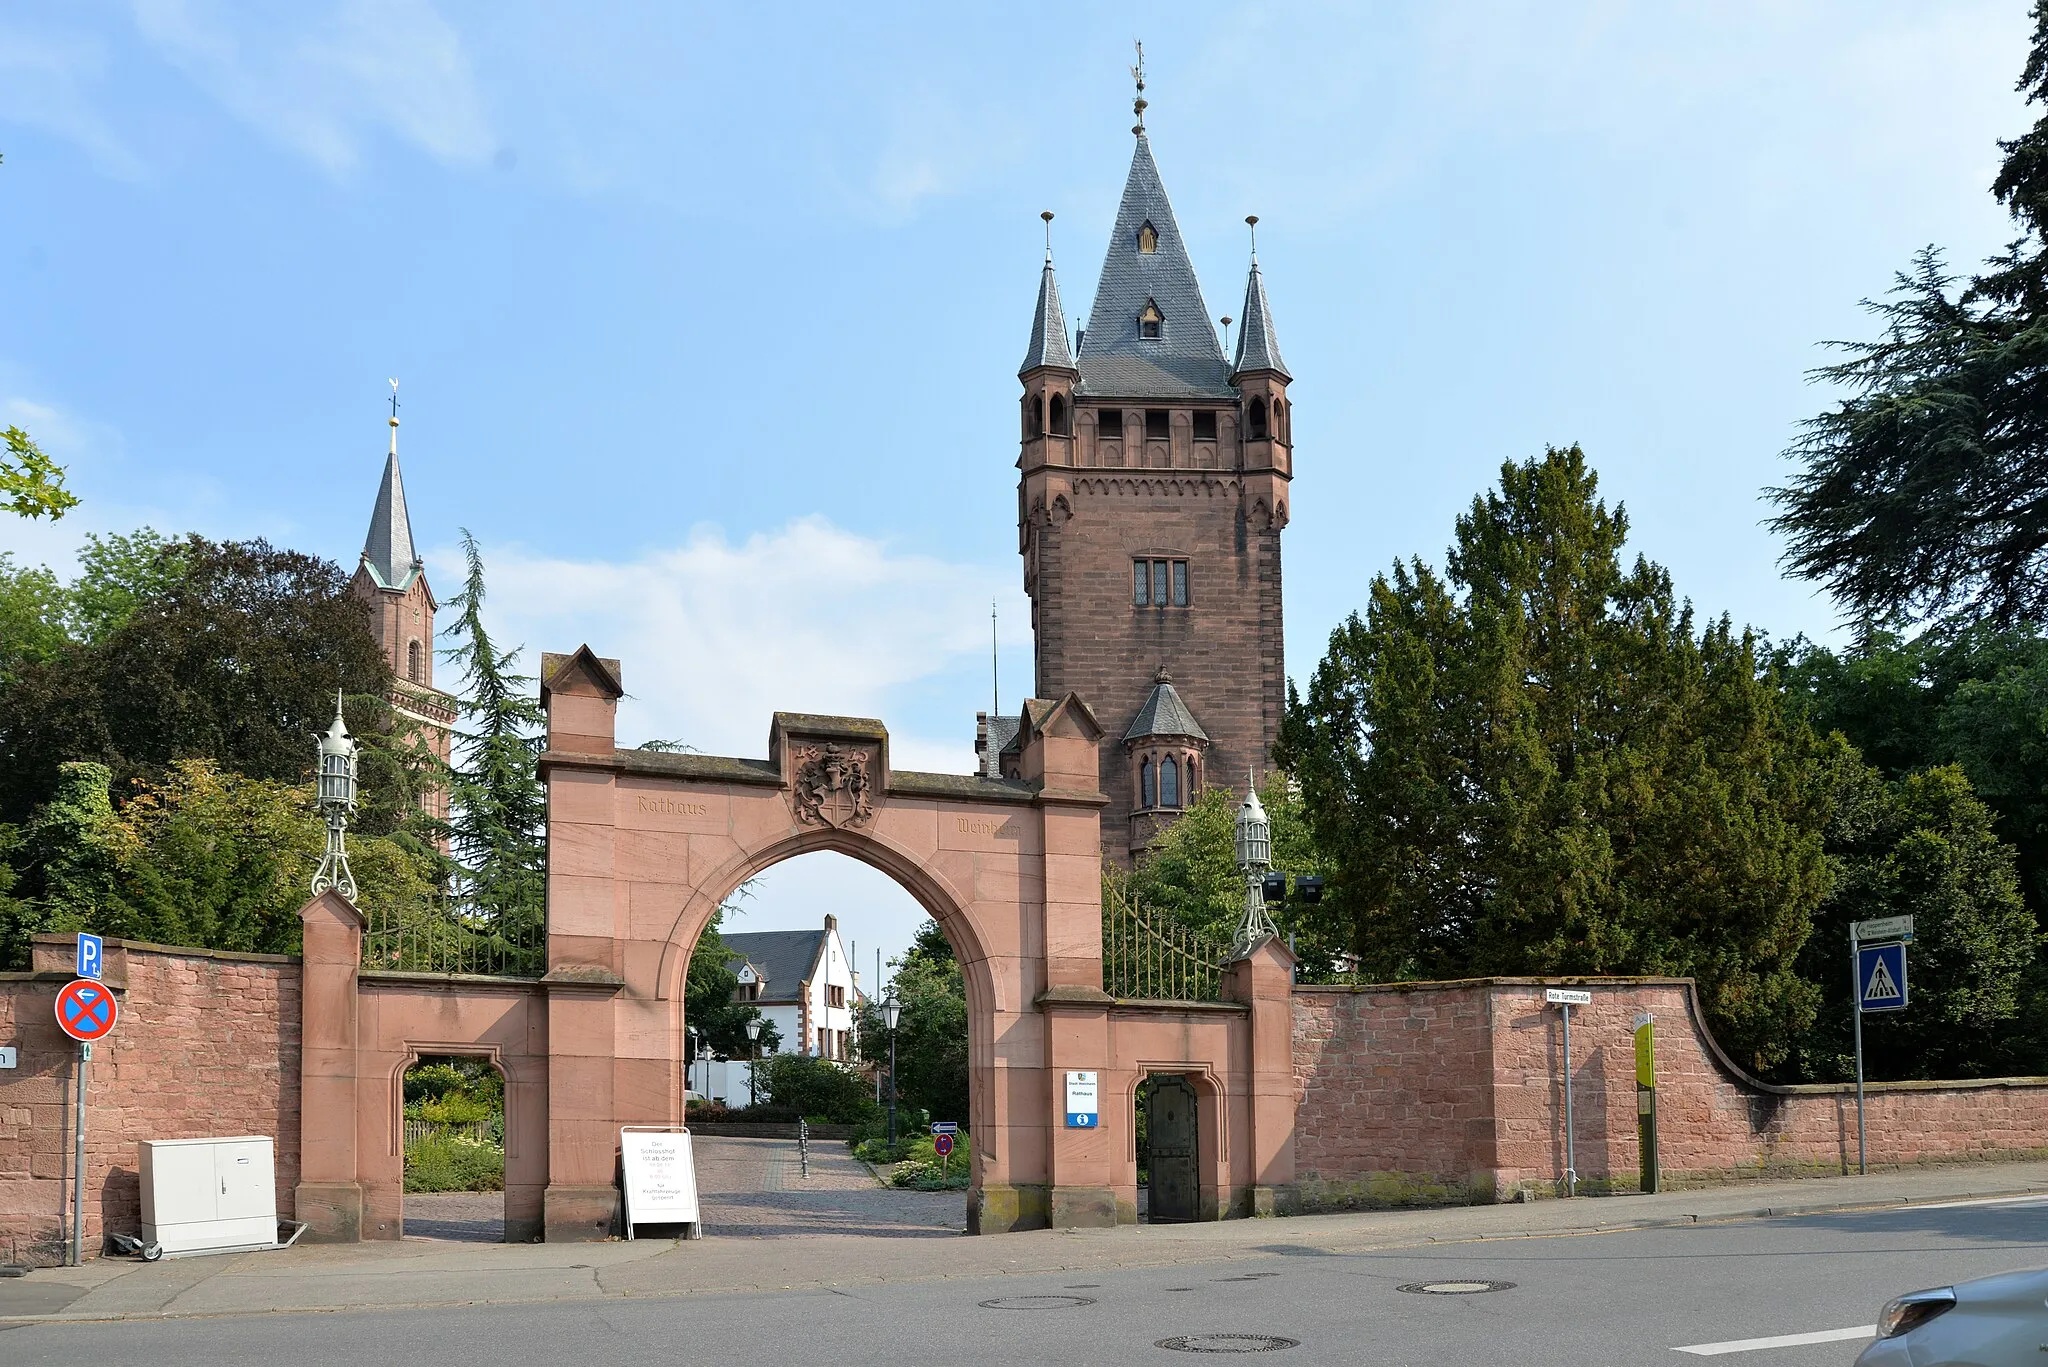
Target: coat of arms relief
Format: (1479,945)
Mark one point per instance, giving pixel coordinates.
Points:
(833,787)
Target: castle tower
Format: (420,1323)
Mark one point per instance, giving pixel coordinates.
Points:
(1153,493)
(392,579)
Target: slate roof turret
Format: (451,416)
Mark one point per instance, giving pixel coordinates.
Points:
(1164,714)
(1184,360)
(1048,327)
(1257,346)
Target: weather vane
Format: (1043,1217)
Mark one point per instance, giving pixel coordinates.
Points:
(1138,75)
(394,401)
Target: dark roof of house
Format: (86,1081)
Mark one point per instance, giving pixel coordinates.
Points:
(1164,714)
(1257,347)
(1048,327)
(1185,360)
(388,551)
(783,958)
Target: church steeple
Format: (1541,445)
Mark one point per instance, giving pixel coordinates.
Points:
(388,552)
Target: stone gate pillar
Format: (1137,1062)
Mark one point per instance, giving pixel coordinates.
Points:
(586,971)
(1263,979)
(1059,751)
(329,1197)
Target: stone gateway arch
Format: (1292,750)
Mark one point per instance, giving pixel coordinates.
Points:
(644,846)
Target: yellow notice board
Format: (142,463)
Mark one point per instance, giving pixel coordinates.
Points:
(1646,1075)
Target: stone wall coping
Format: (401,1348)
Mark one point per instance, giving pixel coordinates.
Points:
(184,951)
(391,977)
(1156,1006)
(764,774)
(1070,797)
(1454,984)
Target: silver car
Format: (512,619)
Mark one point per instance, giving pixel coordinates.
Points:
(1999,1321)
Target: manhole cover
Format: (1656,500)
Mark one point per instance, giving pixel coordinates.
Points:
(1036,1302)
(1228,1343)
(1455,1288)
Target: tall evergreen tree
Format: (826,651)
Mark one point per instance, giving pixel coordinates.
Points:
(1925,491)
(1539,764)
(498,804)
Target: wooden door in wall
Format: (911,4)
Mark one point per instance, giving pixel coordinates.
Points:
(1175,1189)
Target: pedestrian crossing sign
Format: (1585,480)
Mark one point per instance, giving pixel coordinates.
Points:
(1881,977)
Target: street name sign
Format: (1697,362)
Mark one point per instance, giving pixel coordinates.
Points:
(1083,1111)
(661,1177)
(1885,928)
(1564,996)
(1881,977)
(91,952)
(86,1010)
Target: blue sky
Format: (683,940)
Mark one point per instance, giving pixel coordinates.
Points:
(708,317)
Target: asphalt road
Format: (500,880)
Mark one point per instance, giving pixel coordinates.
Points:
(1632,1297)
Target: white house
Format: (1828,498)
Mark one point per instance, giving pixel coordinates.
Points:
(802,981)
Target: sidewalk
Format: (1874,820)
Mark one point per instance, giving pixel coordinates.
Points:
(423,1272)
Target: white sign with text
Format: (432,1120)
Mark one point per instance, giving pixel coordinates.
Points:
(661,1177)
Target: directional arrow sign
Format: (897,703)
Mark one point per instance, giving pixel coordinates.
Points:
(1885,928)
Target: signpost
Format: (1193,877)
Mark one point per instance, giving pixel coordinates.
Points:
(660,1178)
(1083,1111)
(1646,1100)
(1877,982)
(86,1011)
(1565,998)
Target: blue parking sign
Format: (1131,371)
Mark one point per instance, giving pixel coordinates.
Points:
(1881,977)
(89,955)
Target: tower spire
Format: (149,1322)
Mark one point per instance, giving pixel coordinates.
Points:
(388,552)
(1048,321)
(1258,348)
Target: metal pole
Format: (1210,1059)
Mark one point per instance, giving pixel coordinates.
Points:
(1571,1167)
(753,1067)
(1856,1007)
(872,1008)
(892,1089)
(78,1165)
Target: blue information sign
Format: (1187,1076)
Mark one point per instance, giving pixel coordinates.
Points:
(1881,977)
(89,955)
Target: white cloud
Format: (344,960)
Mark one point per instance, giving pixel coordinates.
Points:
(714,636)
(43,83)
(395,64)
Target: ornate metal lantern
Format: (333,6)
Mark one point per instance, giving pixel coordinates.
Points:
(1254,857)
(336,789)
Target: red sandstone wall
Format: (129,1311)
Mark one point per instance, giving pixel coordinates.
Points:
(208,1044)
(1393,1094)
(1410,1093)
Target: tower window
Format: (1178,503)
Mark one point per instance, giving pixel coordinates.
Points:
(1169,783)
(1258,418)
(1059,417)
(1156,424)
(1205,425)
(1150,319)
(1109,424)
(1148,238)
(1159,583)
(1147,790)
(413,668)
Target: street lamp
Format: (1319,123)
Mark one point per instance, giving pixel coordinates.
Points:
(753,1058)
(1254,857)
(891,1010)
(696,1053)
(337,798)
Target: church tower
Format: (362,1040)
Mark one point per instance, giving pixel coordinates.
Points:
(392,579)
(1154,489)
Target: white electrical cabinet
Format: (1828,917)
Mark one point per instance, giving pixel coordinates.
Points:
(209,1195)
